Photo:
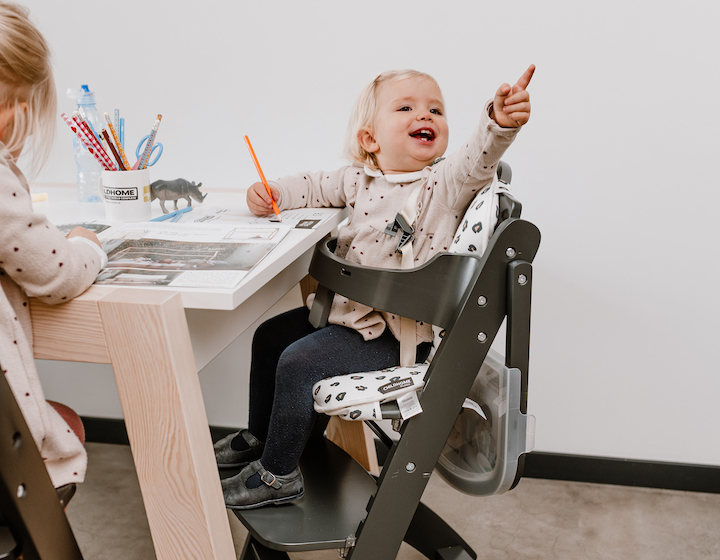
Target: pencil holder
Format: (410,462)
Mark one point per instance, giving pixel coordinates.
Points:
(126,195)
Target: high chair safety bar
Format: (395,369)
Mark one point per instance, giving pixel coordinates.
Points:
(469,296)
(32,520)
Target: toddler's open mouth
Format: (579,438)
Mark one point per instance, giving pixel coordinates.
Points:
(424,134)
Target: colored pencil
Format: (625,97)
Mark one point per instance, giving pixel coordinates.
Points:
(76,130)
(120,150)
(114,151)
(142,162)
(87,122)
(90,137)
(262,178)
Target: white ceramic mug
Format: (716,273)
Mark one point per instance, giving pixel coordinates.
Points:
(126,195)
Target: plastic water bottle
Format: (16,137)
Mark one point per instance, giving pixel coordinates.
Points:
(89,170)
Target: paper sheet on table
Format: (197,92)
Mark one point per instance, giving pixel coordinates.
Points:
(302,218)
(189,255)
(93,225)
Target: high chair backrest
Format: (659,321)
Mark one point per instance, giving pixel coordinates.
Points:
(32,520)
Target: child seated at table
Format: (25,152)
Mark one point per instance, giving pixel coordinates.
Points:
(36,260)
(396,137)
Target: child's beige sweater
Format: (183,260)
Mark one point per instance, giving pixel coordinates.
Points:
(37,260)
(373,200)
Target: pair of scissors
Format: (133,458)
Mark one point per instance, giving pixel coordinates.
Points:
(141,148)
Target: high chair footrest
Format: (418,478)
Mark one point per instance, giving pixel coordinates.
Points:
(337,490)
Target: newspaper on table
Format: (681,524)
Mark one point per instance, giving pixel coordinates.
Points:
(298,218)
(214,255)
(212,247)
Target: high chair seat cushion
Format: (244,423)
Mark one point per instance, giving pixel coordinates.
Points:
(479,222)
(357,396)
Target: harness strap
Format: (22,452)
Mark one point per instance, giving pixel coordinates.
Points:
(404,222)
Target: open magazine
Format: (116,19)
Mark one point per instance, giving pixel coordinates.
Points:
(215,255)
(208,248)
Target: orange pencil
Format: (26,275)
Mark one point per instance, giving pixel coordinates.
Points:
(262,178)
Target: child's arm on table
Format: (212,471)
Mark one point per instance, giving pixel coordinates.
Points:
(36,256)
(258,199)
(84,233)
(321,189)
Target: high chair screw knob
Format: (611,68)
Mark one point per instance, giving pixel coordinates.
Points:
(482,301)
(482,337)
(522,279)
(510,252)
(410,467)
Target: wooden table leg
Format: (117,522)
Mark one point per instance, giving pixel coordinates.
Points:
(149,346)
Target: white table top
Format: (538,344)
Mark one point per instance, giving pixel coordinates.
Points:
(63,207)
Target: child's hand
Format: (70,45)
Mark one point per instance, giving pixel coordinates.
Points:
(86,233)
(259,201)
(511,106)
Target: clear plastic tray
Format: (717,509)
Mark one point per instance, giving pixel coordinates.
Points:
(481,454)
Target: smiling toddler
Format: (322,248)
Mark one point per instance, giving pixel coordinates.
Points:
(397,136)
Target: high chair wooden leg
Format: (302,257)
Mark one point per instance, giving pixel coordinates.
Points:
(356,439)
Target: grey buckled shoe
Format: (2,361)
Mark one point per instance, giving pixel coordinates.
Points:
(229,458)
(275,490)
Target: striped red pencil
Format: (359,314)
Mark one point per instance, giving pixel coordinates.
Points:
(81,136)
(90,137)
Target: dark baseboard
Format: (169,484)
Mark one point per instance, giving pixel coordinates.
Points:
(551,466)
(105,430)
(623,472)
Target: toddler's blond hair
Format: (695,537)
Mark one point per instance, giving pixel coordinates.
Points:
(26,77)
(365,111)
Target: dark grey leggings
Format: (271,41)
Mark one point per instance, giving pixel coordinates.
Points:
(288,357)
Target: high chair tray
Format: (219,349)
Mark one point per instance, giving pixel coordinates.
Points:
(481,455)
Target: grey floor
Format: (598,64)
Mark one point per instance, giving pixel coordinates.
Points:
(540,519)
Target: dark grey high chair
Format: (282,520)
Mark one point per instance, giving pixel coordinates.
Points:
(32,519)
(344,507)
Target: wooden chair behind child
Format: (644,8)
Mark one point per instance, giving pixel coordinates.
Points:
(32,519)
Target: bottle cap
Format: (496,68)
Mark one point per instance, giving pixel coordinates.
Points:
(82,96)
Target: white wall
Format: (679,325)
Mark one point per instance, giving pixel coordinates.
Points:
(615,167)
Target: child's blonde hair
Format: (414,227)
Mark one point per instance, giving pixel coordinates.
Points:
(26,84)
(365,111)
